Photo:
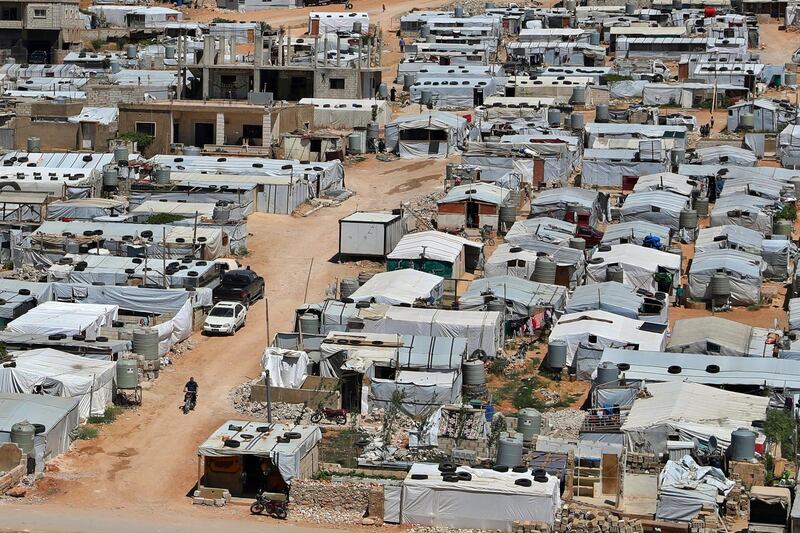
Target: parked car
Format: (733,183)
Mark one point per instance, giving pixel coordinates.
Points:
(591,235)
(225,318)
(241,285)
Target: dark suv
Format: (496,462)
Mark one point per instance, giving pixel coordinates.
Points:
(241,285)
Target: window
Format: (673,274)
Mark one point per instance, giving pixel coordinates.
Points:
(148,128)
(337,83)
(227,80)
(39,13)
(712,347)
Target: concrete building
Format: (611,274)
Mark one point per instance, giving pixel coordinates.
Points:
(44,26)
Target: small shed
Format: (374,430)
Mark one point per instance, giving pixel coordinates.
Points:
(436,252)
(247,457)
(472,205)
(365,234)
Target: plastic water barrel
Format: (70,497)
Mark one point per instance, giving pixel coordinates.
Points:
(426,97)
(373,131)
(701,206)
(474,372)
(576,121)
(383,90)
(114,66)
(121,153)
(594,38)
(127,374)
(606,373)
(507,215)
(578,95)
(720,285)
(169,51)
(347,286)
(509,451)
(458,11)
(145,343)
(354,143)
(357,27)
(131,51)
(554,117)
(688,219)
(309,324)
(110,176)
(34,144)
(529,423)
(790,78)
(743,444)
(544,270)
(557,354)
(23,434)
(161,175)
(630,8)
(408,81)
(782,227)
(615,273)
(570,5)
(601,113)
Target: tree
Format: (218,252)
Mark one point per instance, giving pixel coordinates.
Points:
(424,420)
(498,426)
(462,417)
(390,416)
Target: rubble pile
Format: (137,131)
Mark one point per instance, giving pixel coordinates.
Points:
(424,207)
(549,397)
(576,519)
(25,273)
(281,412)
(563,424)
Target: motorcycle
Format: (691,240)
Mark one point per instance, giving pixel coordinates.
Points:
(337,415)
(275,504)
(189,401)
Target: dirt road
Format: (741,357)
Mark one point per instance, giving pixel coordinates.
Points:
(146,462)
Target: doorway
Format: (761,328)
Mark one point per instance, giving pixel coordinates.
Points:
(203,134)
(473,215)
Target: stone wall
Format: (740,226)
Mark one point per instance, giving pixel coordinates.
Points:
(578,519)
(342,496)
(108,95)
(642,463)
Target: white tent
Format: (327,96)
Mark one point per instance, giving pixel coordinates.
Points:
(743,210)
(58,373)
(666,181)
(287,368)
(398,287)
(587,333)
(490,500)
(744,271)
(68,318)
(639,265)
(430,135)
(659,207)
(437,246)
(346,114)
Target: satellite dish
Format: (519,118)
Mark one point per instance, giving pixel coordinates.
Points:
(712,443)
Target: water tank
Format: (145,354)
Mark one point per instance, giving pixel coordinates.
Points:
(790,78)
(127,374)
(347,286)
(576,121)
(169,51)
(747,121)
(161,175)
(529,423)
(507,215)
(607,372)
(743,444)
(373,132)
(357,26)
(720,285)
(309,324)
(356,142)
(577,243)
(145,343)
(688,219)
(121,154)
(630,8)
(424,32)
(222,213)
(383,90)
(458,11)
(426,97)
(408,81)
(110,176)
(545,270)
(601,113)
(594,38)
(615,273)
(554,117)
(557,354)
(509,450)
(701,206)
(114,66)
(782,227)
(131,51)
(578,95)
(22,434)
(34,144)
(191,151)
(570,5)
(474,372)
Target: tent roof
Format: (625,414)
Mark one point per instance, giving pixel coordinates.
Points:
(398,287)
(436,245)
(263,444)
(667,181)
(528,293)
(436,120)
(633,254)
(637,228)
(481,192)
(742,263)
(713,329)
(694,403)
(35,408)
(606,325)
(600,295)
(563,195)
(665,200)
(543,228)
(740,236)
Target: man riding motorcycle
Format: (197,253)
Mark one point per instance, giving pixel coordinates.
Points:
(191,388)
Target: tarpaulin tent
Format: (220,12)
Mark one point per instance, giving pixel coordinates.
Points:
(659,207)
(744,271)
(59,416)
(452,92)
(557,202)
(430,135)
(420,391)
(520,261)
(437,253)
(343,114)
(744,210)
(482,329)
(685,488)
(711,335)
(728,155)
(57,373)
(639,265)
(544,229)
(619,299)
(522,297)
(69,318)
(490,500)
(636,232)
(595,330)
(606,167)
(287,368)
(666,181)
(398,287)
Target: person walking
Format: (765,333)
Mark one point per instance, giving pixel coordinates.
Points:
(402,45)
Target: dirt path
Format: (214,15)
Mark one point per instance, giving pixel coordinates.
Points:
(146,462)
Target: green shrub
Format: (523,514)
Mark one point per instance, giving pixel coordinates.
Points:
(87,432)
(142,140)
(164,218)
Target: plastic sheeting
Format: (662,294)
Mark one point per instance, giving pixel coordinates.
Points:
(685,487)
(490,500)
(90,380)
(420,391)
(744,272)
(522,297)
(398,287)
(639,265)
(659,207)
(344,114)
(69,318)
(287,368)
